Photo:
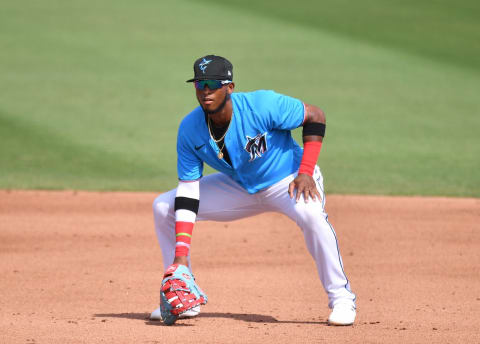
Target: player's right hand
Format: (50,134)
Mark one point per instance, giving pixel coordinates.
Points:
(304,184)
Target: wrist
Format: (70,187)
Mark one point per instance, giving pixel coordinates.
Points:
(181,260)
(311,151)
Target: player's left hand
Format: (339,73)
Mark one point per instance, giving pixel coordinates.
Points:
(304,184)
(179,293)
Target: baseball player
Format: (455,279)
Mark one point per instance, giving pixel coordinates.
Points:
(247,138)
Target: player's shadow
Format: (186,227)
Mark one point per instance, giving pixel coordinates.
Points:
(134,316)
(255,318)
(246,317)
(137,316)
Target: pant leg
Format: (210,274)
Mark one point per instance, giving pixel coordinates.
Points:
(319,235)
(164,220)
(221,199)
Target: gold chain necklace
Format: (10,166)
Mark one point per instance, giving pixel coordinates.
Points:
(220,153)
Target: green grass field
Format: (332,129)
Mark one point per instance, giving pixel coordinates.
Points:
(91,93)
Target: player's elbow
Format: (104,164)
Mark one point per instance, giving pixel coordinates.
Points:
(314,114)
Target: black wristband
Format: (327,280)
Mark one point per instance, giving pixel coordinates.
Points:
(314,129)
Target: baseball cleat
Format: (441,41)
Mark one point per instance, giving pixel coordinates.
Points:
(157,315)
(342,315)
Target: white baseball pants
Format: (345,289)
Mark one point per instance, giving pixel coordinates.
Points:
(222,199)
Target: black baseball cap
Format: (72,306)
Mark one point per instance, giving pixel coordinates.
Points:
(212,67)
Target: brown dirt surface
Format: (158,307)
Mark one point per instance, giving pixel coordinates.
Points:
(85,267)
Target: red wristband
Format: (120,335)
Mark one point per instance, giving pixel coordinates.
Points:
(183,236)
(311,151)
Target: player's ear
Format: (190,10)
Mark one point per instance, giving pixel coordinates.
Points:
(231,87)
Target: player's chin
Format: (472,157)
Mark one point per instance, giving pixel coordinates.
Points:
(208,105)
(210,109)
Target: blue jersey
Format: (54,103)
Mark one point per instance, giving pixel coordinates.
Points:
(258,141)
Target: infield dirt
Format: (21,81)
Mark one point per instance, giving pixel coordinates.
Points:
(85,267)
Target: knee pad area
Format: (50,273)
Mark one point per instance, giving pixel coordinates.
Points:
(161,207)
(309,213)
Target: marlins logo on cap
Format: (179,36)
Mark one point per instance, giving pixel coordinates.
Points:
(212,67)
(204,64)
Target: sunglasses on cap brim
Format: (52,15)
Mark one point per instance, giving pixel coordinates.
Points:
(211,84)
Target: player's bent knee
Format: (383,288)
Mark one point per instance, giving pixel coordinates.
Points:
(161,207)
(309,213)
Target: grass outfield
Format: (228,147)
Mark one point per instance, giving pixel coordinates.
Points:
(91,93)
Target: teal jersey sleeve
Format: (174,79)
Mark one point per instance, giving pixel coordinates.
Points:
(285,113)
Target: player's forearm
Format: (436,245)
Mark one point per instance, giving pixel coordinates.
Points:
(187,201)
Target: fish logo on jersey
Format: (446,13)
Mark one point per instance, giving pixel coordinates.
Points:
(203,65)
(256,146)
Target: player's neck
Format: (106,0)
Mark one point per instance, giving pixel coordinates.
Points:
(222,117)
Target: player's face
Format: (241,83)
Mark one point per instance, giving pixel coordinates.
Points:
(213,100)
